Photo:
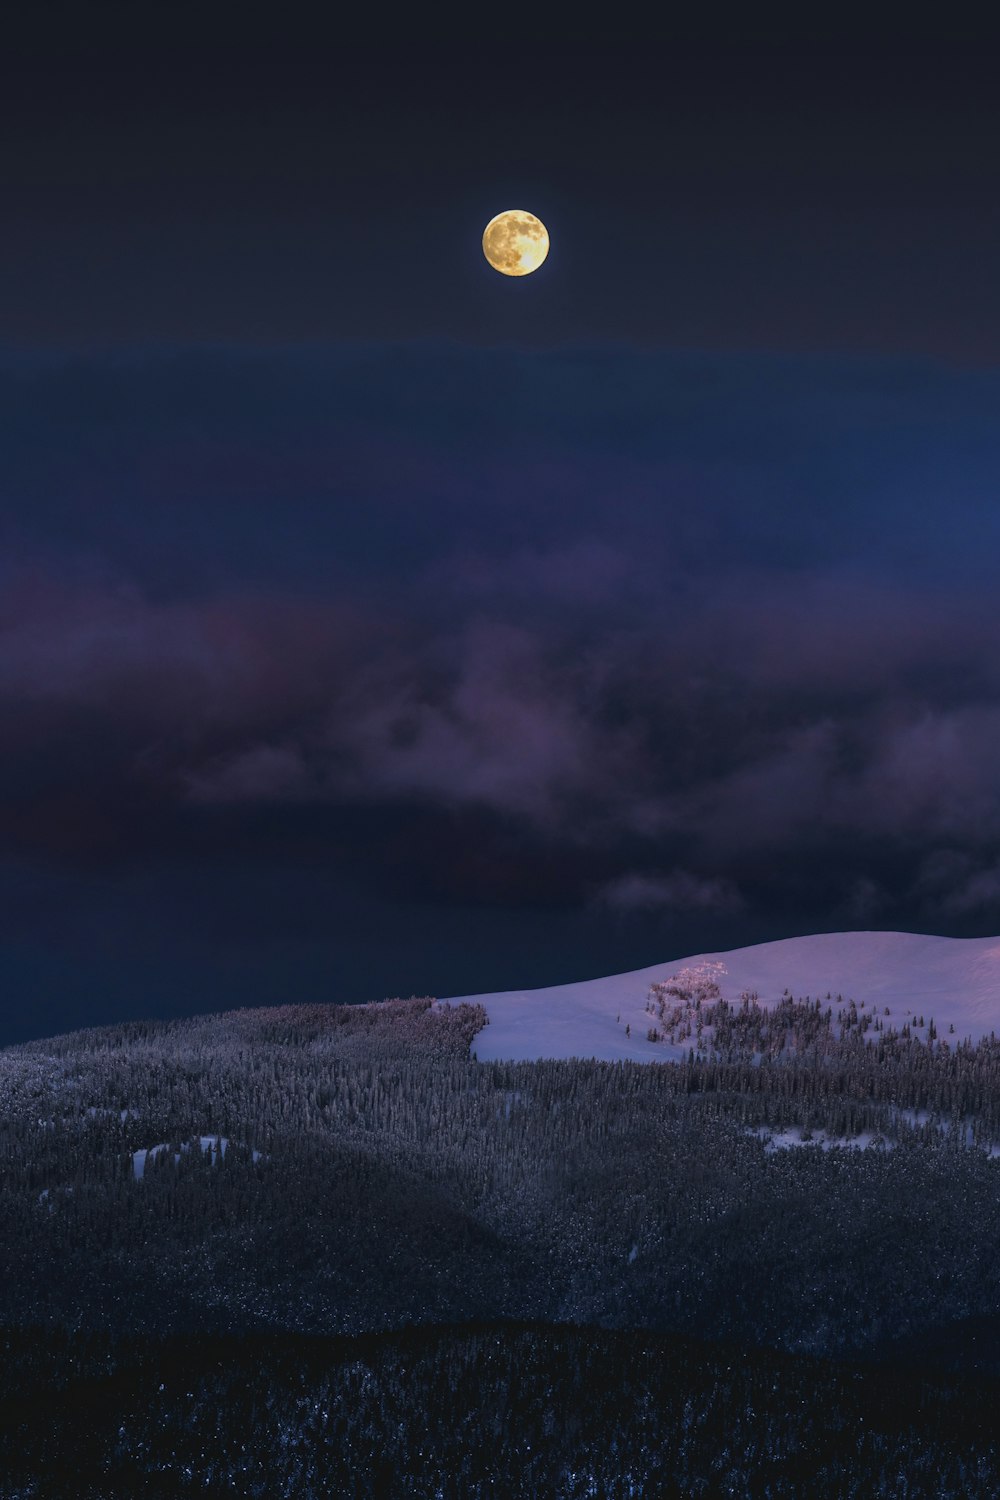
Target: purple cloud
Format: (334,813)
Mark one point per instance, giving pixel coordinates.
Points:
(644,634)
(679,891)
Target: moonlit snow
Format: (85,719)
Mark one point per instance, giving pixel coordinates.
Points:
(212,1146)
(954,980)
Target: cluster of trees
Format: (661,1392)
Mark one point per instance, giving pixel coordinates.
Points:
(833,1049)
(791,1029)
(378,1175)
(479,1411)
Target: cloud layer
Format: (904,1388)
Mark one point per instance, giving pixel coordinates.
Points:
(675,639)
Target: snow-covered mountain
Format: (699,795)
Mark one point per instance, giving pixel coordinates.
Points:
(955,980)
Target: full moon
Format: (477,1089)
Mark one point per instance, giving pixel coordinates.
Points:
(515,242)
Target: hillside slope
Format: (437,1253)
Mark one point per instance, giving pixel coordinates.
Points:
(955,980)
(377,1176)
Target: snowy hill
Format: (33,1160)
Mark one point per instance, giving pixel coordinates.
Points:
(955,980)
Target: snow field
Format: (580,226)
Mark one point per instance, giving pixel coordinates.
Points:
(901,975)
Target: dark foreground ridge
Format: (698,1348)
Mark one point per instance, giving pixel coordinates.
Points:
(462,1413)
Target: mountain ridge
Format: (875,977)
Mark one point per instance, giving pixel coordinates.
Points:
(905,975)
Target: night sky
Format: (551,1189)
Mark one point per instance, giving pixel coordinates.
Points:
(374,624)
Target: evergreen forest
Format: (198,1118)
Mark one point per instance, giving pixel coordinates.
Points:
(239,1249)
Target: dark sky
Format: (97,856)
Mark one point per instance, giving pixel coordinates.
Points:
(371,623)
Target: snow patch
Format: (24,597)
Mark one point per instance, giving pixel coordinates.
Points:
(794,1136)
(214,1146)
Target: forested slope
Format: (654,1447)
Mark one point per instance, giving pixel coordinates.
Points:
(376,1175)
